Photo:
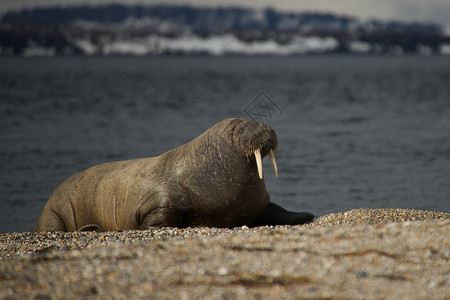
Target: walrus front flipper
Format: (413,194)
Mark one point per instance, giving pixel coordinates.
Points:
(276,215)
(162,217)
(91,227)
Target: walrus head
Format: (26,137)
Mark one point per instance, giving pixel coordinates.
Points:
(256,140)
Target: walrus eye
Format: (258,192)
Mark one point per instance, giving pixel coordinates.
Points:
(259,162)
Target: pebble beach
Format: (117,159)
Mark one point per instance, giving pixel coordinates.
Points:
(358,254)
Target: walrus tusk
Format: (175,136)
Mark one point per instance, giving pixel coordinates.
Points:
(274,162)
(259,162)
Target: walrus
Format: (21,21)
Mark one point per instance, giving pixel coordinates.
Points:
(214,180)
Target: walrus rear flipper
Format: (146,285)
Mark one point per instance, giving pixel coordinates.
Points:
(276,215)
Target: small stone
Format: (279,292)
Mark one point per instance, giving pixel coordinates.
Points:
(222,271)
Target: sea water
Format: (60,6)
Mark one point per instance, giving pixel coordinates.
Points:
(353,131)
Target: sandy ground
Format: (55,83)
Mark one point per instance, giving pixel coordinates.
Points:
(359,254)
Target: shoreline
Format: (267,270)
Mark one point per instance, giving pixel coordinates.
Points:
(362,253)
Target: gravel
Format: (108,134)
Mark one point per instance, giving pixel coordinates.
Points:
(358,254)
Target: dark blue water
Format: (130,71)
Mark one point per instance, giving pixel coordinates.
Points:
(354,131)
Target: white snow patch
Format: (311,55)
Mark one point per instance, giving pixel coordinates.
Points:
(360,47)
(444,49)
(32,51)
(86,46)
(136,48)
(214,45)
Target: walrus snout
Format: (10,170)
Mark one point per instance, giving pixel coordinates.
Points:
(256,135)
(258,140)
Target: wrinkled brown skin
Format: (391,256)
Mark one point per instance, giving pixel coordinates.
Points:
(210,181)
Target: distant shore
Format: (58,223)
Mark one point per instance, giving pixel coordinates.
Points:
(358,254)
